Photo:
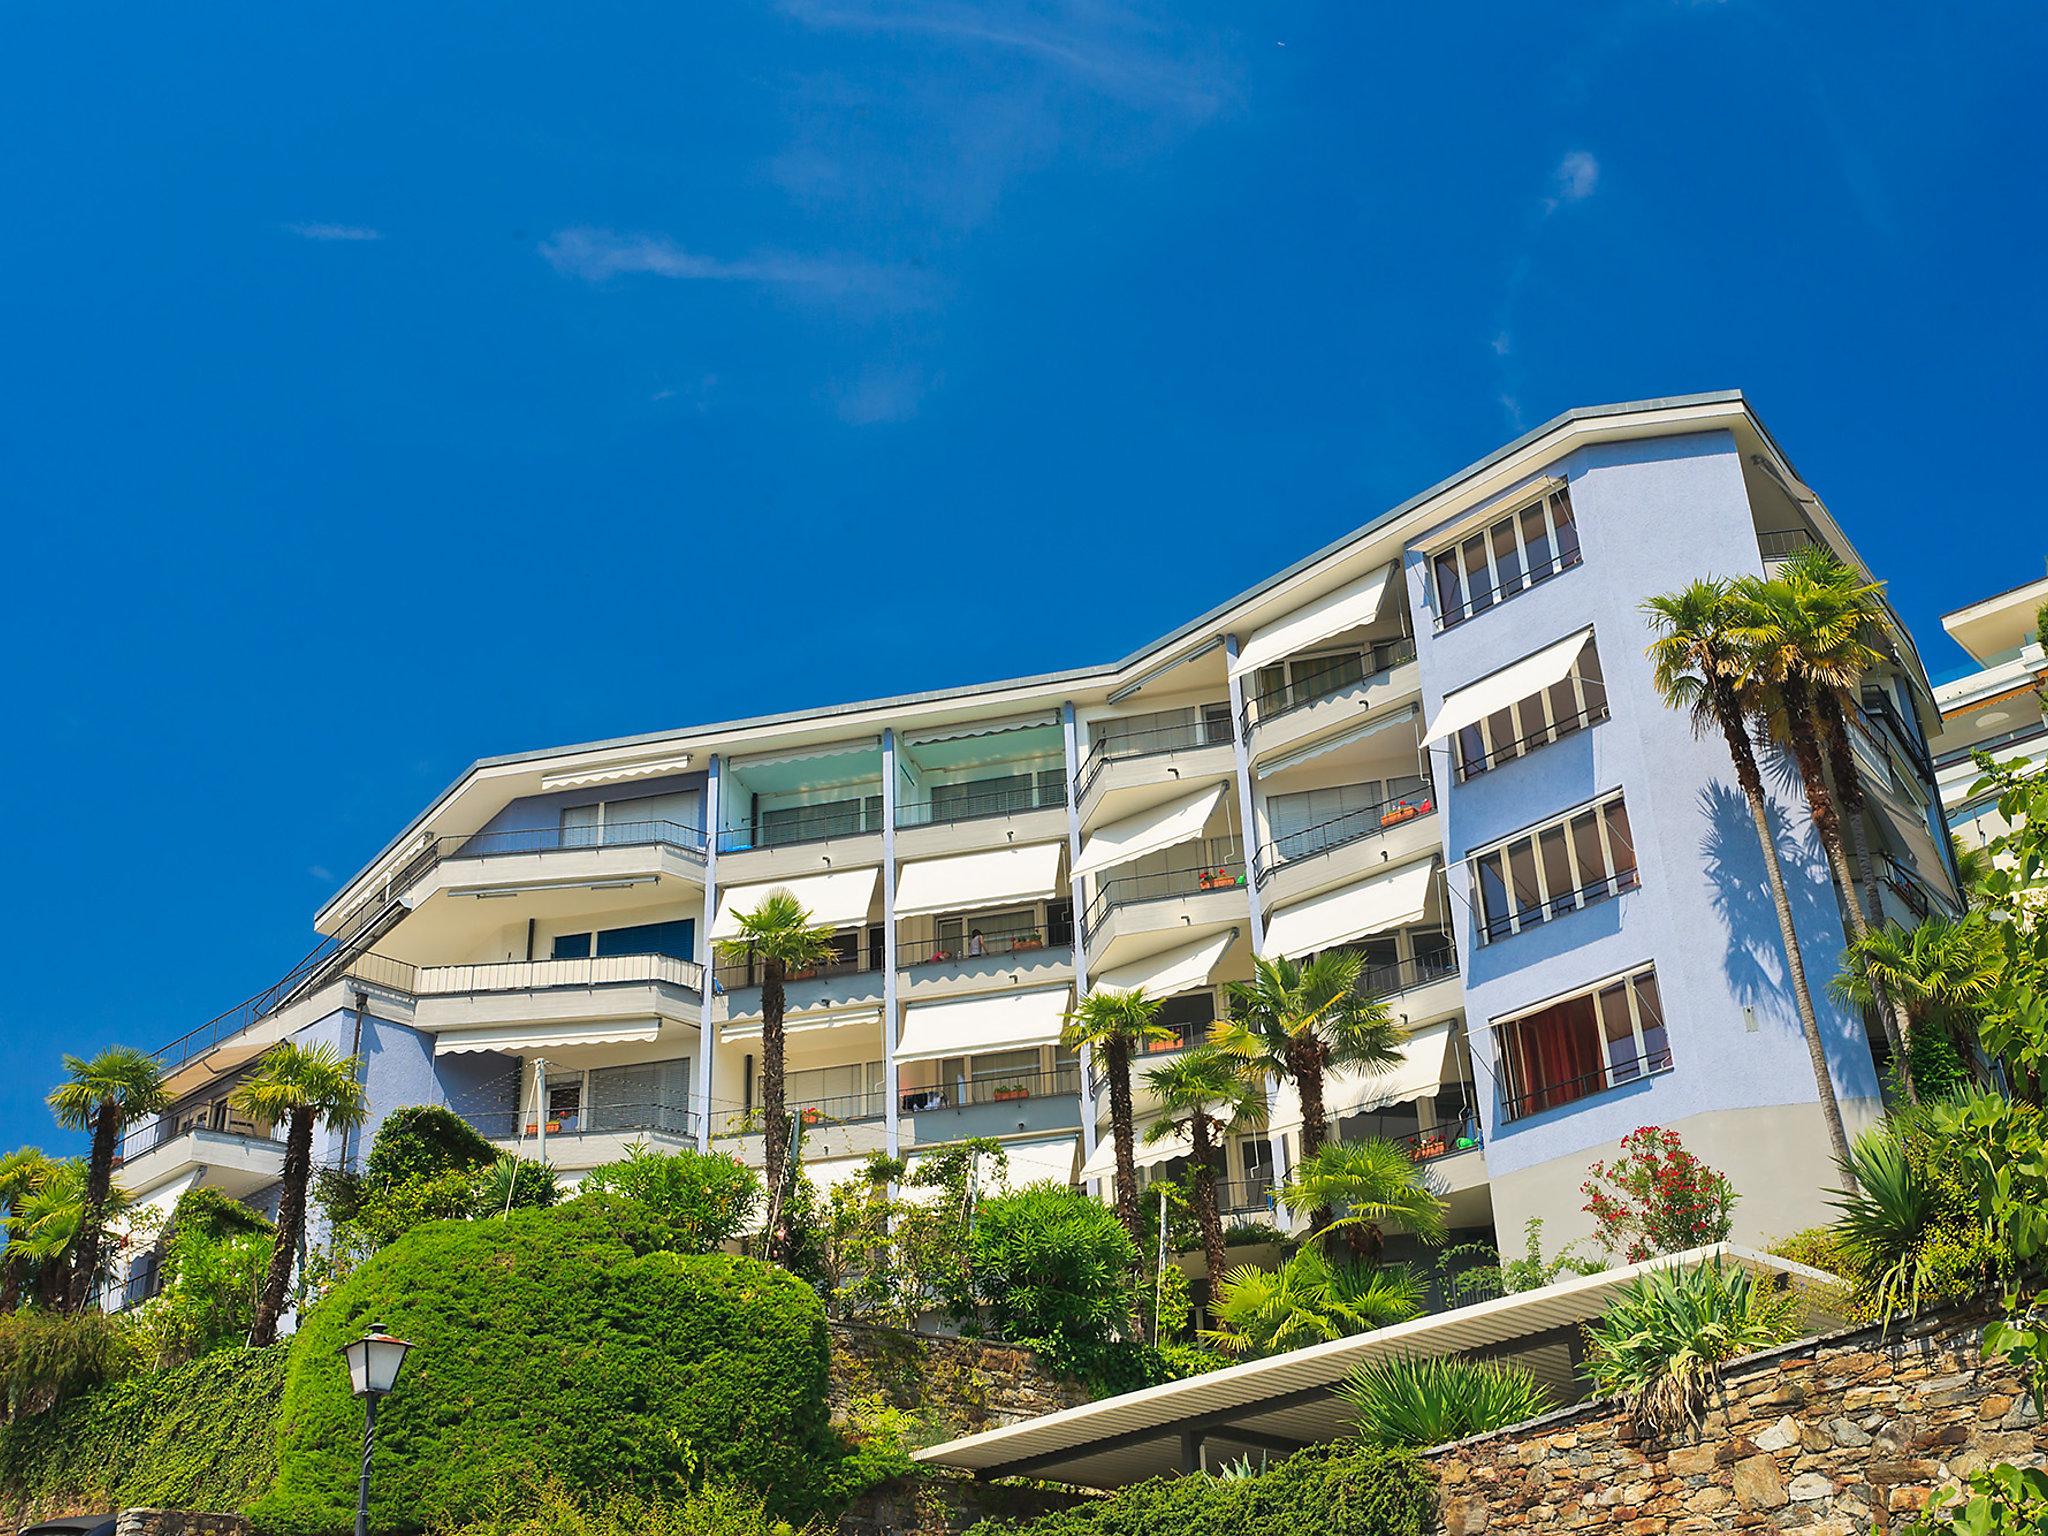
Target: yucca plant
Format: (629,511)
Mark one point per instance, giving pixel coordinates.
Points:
(1662,1341)
(1884,1219)
(516,1183)
(1374,1183)
(1418,1403)
(1308,1300)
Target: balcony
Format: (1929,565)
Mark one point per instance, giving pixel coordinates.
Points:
(1301,863)
(236,1161)
(504,994)
(1207,892)
(1004,1105)
(842,981)
(1187,753)
(1280,719)
(524,859)
(592,1137)
(1019,808)
(935,968)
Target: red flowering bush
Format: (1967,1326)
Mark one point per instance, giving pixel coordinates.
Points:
(1656,1197)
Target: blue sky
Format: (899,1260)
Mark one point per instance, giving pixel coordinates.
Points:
(386,387)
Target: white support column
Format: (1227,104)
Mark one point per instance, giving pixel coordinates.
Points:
(1070,736)
(1241,755)
(892,1103)
(707,1023)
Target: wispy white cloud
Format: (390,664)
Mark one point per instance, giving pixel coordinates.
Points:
(320,872)
(1576,178)
(1502,344)
(597,255)
(335,231)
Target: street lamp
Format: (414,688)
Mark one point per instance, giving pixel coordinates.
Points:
(373,1362)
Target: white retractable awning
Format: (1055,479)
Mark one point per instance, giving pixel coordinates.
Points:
(620,774)
(1355,603)
(800,1023)
(840,899)
(1352,737)
(1180,969)
(996,1021)
(1532,674)
(1350,912)
(548,1037)
(968,882)
(1101,1162)
(1177,821)
(1350,1090)
(1030,1162)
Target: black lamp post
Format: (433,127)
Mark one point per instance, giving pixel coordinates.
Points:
(373,1362)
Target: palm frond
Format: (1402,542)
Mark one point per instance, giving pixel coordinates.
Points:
(316,1078)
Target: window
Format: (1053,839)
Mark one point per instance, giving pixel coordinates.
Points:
(647,1096)
(565,1104)
(1028,789)
(647,819)
(1557,868)
(1608,1035)
(1188,1015)
(1166,730)
(1315,820)
(812,823)
(1578,700)
(677,940)
(833,1093)
(987,933)
(1507,557)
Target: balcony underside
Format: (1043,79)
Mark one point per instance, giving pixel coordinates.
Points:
(1278,734)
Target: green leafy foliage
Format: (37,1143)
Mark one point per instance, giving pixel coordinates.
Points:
(2002,1500)
(514,1184)
(1662,1341)
(1420,1403)
(1053,1268)
(1655,1197)
(423,1141)
(197,1436)
(214,1256)
(1310,1299)
(47,1358)
(702,1199)
(1336,1490)
(559,1343)
(552,1509)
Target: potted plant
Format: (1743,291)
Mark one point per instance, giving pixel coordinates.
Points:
(1009,1092)
(1026,941)
(812,1115)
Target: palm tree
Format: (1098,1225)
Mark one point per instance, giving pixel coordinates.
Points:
(47,1221)
(1374,1181)
(779,933)
(22,1172)
(1698,667)
(1806,638)
(104,1096)
(1202,1095)
(1111,1025)
(1310,1299)
(1939,971)
(1299,1021)
(296,1086)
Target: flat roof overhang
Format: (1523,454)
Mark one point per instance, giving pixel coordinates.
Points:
(1285,1402)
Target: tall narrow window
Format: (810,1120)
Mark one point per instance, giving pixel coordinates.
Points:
(1607,1036)
(1579,858)
(1576,700)
(1508,556)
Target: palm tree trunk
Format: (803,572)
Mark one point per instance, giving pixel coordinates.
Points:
(99,1184)
(1123,1133)
(1307,1070)
(1729,713)
(291,1222)
(1206,1213)
(774,1107)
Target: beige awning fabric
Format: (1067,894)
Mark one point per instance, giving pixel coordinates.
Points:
(1371,727)
(801,1023)
(969,882)
(1177,821)
(1350,912)
(618,774)
(1171,971)
(1512,683)
(840,899)
(1101,1162)
(1355,603)
(548,1037)
(995,1021)
(1350,1091)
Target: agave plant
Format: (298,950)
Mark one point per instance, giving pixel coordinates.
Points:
(516,1183)
(1308,1300)
(1413,1402)
(1884,1218)
(1662,1341)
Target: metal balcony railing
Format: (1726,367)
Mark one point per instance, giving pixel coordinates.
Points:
(737,975)
(972,802)
(1537,1097)
(972,946)
(1181,1038)
(1400,976)
(1374,663)
(325,964)
(1426,1146)
(1367,821)
(1218,865)
(1210,729)
(1784,543)
(178,1122)
(1478,600)
(662,1117)
(621,834)
(806,826)
(1002,1088)
(578,971)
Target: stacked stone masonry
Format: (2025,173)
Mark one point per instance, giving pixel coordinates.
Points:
(173,1522)
(1850,1434)
(947,1387)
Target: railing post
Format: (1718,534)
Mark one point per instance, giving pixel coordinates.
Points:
(892,1103)
(1242,762)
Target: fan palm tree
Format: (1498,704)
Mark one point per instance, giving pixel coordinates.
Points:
(1697,667)
(296,1086)
(104,1097)
(1299,1021)
(1310,1299)
(1939,971)
(1806,638)
(1202,1096)
(780,934)
(48,1220)
(1374,1181)
(1110,1025)
(22,1172)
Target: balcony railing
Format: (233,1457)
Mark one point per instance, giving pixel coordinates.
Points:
(1180,1038)
(1427,1146)
(1004,1088)
(2019,735)
(1367,821)
(621,834)
(976,946)
(147,1138)
(662,1118)
(736,975)
(805,826)
(1265,707)
(1400,976)
(1183,736)
(1523,919)
(1878,708)
(1220,868)
(1245,1197)
(1784,543)
(580,971)
(1520,1104)
(974,802)
(317,968)
(1522,746)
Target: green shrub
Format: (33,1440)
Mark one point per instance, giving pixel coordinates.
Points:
(1420,1403)
(1053,1268)
(1339,1490)
(715,1509)
(562,1344)
(1310,1299)
(46,1358)
(703,1199)
(513,1184)
(215,1255)
(1662,1341)
(421,1141)
(198,1436)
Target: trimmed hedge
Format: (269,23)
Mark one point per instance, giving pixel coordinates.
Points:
(197,1436)
(1339,1490)
(557,1344)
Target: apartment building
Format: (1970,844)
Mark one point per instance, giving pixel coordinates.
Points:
(1434,741)
(1994,705)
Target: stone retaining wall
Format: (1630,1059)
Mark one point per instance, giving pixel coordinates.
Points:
(172,1522)
(949,1387)
(1838,1436)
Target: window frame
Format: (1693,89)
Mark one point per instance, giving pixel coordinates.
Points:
(1494,753)
(1458,601)
(1519,914)
(1517,1097)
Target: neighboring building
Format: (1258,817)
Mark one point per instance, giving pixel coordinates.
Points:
(1996,707)
(1435,740)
